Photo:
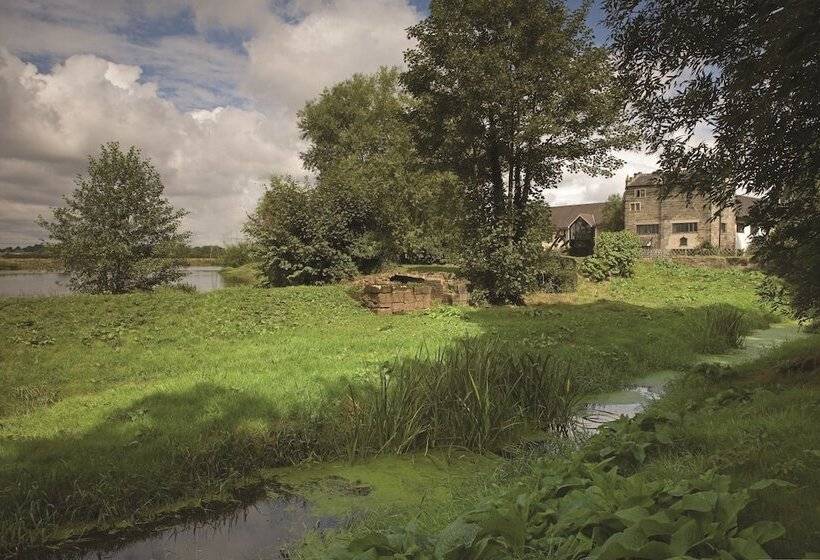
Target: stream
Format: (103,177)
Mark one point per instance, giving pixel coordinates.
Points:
(265,529)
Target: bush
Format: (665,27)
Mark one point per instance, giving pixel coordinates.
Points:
(615,255)
(556,274)
(724,327)
(238,254)
(503,267)
(478,394)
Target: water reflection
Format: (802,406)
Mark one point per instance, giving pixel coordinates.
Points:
(31,283)
(262,530)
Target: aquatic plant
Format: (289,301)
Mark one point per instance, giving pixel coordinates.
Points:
(475,394)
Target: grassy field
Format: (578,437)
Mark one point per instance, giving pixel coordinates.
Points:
(179,397)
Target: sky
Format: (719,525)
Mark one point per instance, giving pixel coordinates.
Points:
(208,89)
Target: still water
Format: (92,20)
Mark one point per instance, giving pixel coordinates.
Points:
(264,530)
(33,283)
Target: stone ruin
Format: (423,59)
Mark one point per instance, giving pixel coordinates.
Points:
(400,293)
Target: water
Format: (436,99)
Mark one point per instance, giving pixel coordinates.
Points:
(33,283)
(263,530)
(630,401)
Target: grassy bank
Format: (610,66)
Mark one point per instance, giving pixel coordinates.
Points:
(724,466)
(179,397)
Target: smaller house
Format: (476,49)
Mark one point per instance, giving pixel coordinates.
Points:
(577,225)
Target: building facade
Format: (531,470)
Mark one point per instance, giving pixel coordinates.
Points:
(678,224)
(674,224)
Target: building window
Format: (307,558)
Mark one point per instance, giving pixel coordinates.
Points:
(684,242)
(685,227)
(740,228)
(722,227)
(649,229)
(640,193)
(635,206)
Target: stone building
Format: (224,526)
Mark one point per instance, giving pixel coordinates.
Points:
(669,225)
(677,224)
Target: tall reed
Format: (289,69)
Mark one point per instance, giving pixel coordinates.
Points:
(476,394)
(725,327)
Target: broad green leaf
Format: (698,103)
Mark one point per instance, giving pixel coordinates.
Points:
(769,482)
(685,537)
(699,501)
(763,531)
(747,549)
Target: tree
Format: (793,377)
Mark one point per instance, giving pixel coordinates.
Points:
(747,75)
(511,94)
(360,146)
(300,239)
(116,233)
(613,213)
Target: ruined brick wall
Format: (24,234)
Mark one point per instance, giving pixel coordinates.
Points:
(385,296)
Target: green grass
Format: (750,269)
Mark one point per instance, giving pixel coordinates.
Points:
(755,421)
(245,275)
(120,407)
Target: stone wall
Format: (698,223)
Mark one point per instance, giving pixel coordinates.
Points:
(401,293)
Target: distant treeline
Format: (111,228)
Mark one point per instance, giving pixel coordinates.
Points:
(44,251)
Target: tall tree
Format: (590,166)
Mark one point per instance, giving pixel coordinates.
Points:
(511,94)
(360,146)
(613,213)
(116,232)
(746,74)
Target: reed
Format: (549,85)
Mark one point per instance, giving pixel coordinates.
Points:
(477,394)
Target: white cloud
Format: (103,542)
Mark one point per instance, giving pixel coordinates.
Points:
(213,163)
(216,117)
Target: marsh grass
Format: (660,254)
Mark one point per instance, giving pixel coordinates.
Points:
(477,394)
(724,328)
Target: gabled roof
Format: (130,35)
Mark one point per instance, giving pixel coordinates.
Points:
(563,216)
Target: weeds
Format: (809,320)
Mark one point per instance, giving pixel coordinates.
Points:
(476,394)
(724,327)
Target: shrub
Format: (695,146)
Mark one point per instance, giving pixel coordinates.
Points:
(502,266)
(238,254)
(615,255)
(724,327)
(556,274)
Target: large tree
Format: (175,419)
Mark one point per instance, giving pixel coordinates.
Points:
(511,94)
(360,146)
(728,94)
(116,232)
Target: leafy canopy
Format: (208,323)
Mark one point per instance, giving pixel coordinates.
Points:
(116,232)
(511,94)
(749,72)
(359,144)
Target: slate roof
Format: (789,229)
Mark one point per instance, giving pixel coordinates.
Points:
(643,180)
(563,216)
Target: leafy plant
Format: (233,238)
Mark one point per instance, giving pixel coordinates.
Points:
(615,255)
(571,510)
(503,266)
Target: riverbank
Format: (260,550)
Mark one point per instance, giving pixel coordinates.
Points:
(181,398)
(727,460)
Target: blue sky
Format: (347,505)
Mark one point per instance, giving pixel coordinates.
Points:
(208,89)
